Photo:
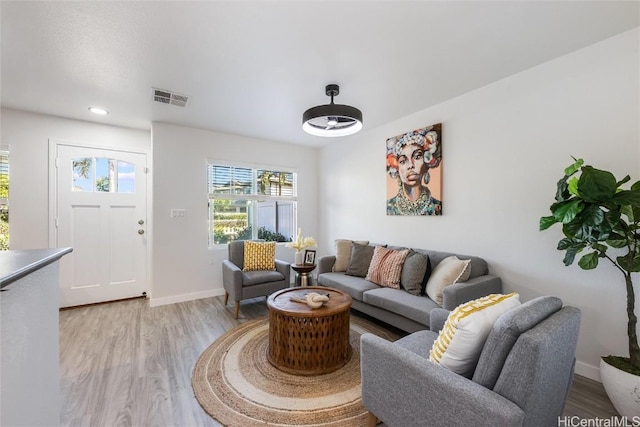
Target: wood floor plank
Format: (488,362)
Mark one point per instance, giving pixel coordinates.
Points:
(127,364)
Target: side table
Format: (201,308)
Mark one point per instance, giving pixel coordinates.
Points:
(303,274)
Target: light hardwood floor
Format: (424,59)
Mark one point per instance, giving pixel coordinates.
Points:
(126,364)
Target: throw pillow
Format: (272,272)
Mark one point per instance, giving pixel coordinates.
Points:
(360,259)
(427,276)
(450,270)
(413,272)
(259,256)
(343,253)
(386,267)
(460,341)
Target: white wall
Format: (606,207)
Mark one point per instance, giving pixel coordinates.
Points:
(28,135)
(505,146)
(183,267)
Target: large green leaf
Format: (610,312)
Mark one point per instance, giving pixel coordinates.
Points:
(595,185)
(589,261)
(572,187)
(562,193)
(566,211)
(623,261)
(627,197)
(635,185)
(569,256)
(636,264)
(592,215)
(546,222)
(600,248)
(623,181)
(617,241)
(565,244)
(632,213)
(575,167)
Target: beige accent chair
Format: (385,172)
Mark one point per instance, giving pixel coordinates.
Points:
(241,285)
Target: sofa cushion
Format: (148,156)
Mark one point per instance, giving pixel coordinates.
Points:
(386,267)
(505,333)
(418,342)
(402,303)
(462,338)
(250,278)
(450,270)
(413,272)
(360,259)
(354,286)
(259,256)
(343,253)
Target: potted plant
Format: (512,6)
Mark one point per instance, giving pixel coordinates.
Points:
(597,214)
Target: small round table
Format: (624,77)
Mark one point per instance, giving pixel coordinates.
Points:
(306,341)
(303,274)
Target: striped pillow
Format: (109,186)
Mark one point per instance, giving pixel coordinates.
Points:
(460,341)
(386,266)
(259,256)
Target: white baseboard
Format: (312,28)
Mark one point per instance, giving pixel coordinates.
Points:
(155,302)
(589,371)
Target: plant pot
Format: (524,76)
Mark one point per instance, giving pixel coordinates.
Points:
(622,388)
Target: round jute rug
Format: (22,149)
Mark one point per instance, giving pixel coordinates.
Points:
(235,383)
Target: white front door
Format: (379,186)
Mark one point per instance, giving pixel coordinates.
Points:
(101,213)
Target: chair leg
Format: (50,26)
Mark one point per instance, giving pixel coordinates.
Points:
(226,297)
(237,308)
(372,420)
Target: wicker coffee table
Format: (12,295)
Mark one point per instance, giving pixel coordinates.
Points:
(306,341)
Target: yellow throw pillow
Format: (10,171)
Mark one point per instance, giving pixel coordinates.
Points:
(449,271)
(460,341)
(259,256)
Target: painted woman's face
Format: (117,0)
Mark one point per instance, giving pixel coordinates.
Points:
(411,164)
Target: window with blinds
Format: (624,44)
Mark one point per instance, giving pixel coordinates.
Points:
(4,198)
(251,203)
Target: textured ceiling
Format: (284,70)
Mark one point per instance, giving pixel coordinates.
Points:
(253,67)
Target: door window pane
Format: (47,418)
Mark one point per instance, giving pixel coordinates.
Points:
(103,175)
(126,177)
(82,174)
(105,171)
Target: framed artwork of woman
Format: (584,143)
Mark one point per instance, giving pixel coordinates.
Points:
(414,172)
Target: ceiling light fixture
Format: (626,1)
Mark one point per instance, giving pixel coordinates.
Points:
(332,119)
(99,111)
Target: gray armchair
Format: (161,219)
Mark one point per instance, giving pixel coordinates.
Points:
(522,378)
(241,285)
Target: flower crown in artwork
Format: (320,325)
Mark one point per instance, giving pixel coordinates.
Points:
(427,138)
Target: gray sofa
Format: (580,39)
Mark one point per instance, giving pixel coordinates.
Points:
(404,310)
(522,377)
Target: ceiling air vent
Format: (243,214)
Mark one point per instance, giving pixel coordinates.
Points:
(166,97)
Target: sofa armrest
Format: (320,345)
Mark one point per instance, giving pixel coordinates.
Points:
(404,389)
(462,292)
(325,264)
(284,268)
(232,279)
(437,319)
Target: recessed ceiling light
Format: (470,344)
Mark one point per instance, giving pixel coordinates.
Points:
(99,111)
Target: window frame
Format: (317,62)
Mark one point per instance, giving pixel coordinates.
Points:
(254,196)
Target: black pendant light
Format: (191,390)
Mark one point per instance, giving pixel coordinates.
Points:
(332,119)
